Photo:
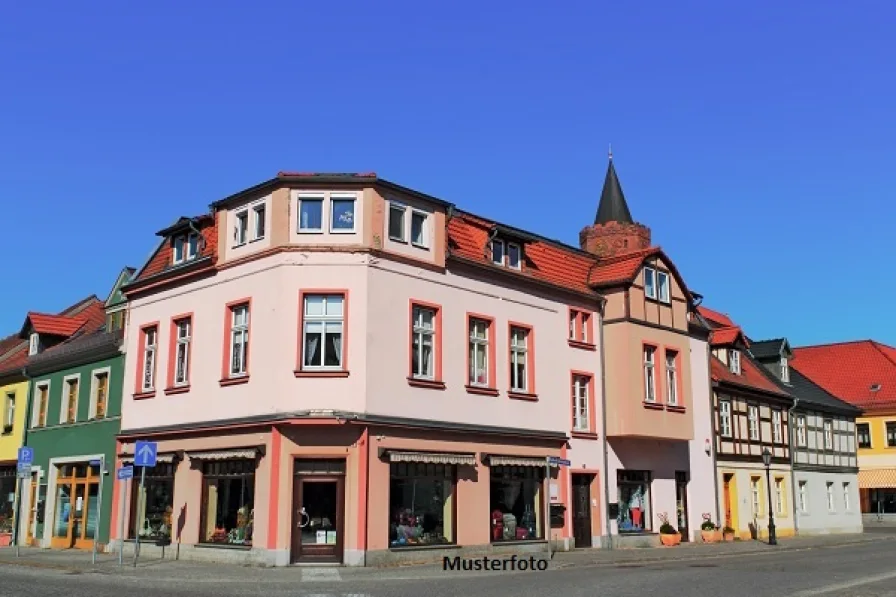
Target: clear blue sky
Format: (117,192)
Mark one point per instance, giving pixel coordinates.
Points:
(758,141)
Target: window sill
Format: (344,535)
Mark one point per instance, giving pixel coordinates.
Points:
(238,245)
(424,547)
(309,231)
(233,381)
(144,395)
(583,435)
(223,546)
(338,373)
(651,299)
(481,390)
(519,542)
(675,409)
(523,396)
(426,383)
(338,231)
(582,345)
(177,390)
(255,240)
(653,405)
(395,239)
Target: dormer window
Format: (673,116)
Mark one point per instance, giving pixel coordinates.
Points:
(186,247)
(498,252)
(656,285)
(514,256)
(33,344)
(507,254)
(785,370)
(734,361)
(241,228)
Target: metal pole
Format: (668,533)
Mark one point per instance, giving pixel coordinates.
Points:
(547,501)
(99,508)
(140,501)
(122,495)
(15,509)
(772,539)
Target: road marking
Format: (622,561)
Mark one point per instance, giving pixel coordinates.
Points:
(321,575)
(845,585)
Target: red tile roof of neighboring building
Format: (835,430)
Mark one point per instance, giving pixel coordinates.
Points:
(162,258)
(849,370)
(55,325)
(620,268)
(751,376)
(726,336)
(715,316)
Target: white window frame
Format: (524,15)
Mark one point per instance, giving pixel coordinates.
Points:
(239,334)
(663,293)
(179,251)
(785,370)
(777,427)
(753,429)
(581,403)
(801,431)
(779,495)
(240,232)
(326,322)
(148,364)
(650,282)
(9,410)
(35,415)
(397,208)
(511,247)
(832,507)
(725,417)
(671,378)
(734,361)
(340,197)
(846,492)
(497,242)
(519,354)
(66,396)
(94,391)
(33,344)
(649,364)
(755,497)
(182,344)
(858,444)
(424,242)
(475,344)
(827,427)
(259,221)
(419,333)
(316,199)
(804,497)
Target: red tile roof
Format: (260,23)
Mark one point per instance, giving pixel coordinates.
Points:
(715,317)
(93,313)
(162,258)
(620,268)
(750,376)
(848,370)
(725,336)
(55,325)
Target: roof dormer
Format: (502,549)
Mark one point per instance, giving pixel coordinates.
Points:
(186,240)
(506,247)
(43,330)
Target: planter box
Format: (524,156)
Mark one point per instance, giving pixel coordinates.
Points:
(728,536)
(711,536)
(670,540)
(5,539)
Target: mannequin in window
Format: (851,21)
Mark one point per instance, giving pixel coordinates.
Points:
(635,507)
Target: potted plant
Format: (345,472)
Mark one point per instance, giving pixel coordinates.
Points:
(5,531)
(728,534)
(669,535)
(709,530)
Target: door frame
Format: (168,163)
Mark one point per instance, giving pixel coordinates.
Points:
(729,481)
(296,552)
(50,502)
(589,477)
(682,479)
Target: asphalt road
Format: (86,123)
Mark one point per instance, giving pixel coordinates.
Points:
(867,570)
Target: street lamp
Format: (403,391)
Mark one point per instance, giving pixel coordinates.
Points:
(767,460)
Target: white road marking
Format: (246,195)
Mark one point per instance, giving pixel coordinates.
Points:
(845,585)
(321,575)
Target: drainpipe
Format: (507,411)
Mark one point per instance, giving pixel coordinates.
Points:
(712,443)
(793,488)
(603,417)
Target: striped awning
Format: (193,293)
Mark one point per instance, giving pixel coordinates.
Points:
(160,458)
(500,460)
(235,454)
(877,478)
(432,457)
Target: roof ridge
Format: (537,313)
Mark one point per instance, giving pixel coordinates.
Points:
(840,343)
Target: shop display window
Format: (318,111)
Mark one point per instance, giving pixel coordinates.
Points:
(633,489)
(151,516)
(517,507)
(228,502)
(421,504)
(7,498)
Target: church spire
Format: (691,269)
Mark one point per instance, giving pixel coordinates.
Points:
(612,207)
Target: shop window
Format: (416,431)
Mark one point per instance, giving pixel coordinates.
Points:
(633,489)
(228,502)
(421,504)
(516,503)
(151,513)
(7,497)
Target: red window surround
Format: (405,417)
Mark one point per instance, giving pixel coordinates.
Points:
(344,372)
(679,380)
(226,380)
(592,415)
(658,372)
(170,388)
(438,383)
(139,394)
(491,388)
(530,393)
(582,333)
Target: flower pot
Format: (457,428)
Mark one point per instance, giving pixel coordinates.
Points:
(5,539)
(728,536)
(711,536)
(670,540)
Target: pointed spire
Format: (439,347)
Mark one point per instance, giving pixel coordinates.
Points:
(612,207)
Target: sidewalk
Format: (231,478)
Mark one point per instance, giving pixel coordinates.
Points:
(77,562)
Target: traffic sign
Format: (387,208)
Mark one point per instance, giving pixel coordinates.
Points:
(124,473)
(145,454)
(26,455)
(558,461)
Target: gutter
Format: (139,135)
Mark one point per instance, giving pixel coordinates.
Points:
(712,444)
(793,487)
(603,417)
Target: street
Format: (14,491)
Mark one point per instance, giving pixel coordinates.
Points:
(857,570)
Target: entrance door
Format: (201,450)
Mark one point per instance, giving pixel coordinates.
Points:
(317,520)
(681,503)
(75,516)
(581,509)
(727,499)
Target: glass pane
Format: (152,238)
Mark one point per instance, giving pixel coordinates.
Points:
(314,305)
(334,306)
(396,223)
(310,214)
(229,510)
(422,509)
(90,514)
(319,519)
(516,508)
(333,348)
(312,349)
(63,510)
(418,230)
(343,214)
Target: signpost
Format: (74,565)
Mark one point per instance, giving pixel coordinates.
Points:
(124,474)
(23,474)
(99,503)
(549,462)
(144,456)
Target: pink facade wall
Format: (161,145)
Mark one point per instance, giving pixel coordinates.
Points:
(702,488)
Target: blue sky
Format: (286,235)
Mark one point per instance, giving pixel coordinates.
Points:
(757,139)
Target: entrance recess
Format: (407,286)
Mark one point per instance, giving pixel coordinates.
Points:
(729,519)
(581,509)
(75,517)
(318,511)
(681,503)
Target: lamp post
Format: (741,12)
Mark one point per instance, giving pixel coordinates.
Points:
(767,460)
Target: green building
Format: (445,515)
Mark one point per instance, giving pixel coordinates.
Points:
(76,374)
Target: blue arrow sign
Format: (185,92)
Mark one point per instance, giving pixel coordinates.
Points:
(26,455)
(559,461)
(124,473)
(145,454)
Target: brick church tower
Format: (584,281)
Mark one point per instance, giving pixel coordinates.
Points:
(613,232)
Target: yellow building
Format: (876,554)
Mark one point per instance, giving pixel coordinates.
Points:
(13,409)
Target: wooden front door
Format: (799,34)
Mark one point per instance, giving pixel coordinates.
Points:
(681,504)
(581,509)
(75,515)
(318,506)
(727,499)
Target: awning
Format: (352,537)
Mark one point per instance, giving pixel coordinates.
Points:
(500,460)
(431,457)
(235,454)
(160,458)
(879,478)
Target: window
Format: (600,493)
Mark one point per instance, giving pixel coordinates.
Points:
(777,427)
(804,497)
(419,229)
(183,337)
(581,403)
(514,256)
(755,498)
(149,359)
(151,512)
(239,340)
(258,214)
(650,282)
(342,214)
(891,434)
(846,496)
(779,496)
(519,359)
(725,418)
(498,252)
(228,501)
(421,498)
(241,228)
(43,399)
(479,351)
(734,361)
(396,221)
(671,378)
(71,401)
(115,320)
(785,370)
(517,509)
(9,412)
(423,342)
(33,344)
(311,214)
(649,379)
(323,331)
(101,381)
(828,431)
(580,327)
(801,430)
(662,287)
(186,247)
(863,435)
(830,494)
(753,422)
(633,494)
